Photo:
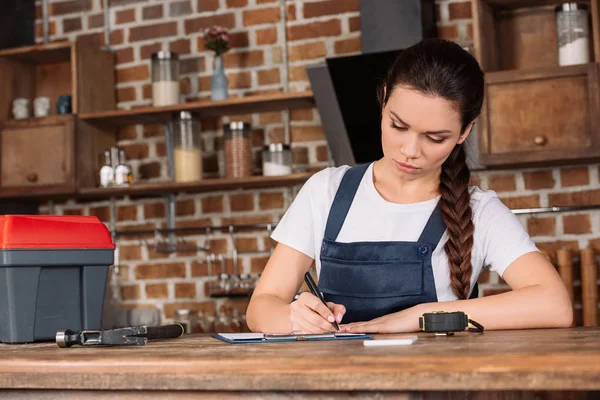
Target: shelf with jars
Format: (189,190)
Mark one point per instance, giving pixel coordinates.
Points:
(540,59)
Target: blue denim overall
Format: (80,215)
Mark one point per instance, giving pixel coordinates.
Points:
(372,279)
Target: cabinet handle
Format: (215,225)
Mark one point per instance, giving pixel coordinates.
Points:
(540,140)
(33,177)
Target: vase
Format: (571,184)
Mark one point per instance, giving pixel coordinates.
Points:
(219,81)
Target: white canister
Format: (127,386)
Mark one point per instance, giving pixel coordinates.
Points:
(572,28)
(41,107)
(20,108)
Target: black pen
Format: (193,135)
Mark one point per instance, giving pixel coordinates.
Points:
(315,290)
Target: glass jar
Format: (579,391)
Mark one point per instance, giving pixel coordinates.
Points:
(184,317)
(238,150)
(572,29)
(165,78)
(277,159)
(187,150)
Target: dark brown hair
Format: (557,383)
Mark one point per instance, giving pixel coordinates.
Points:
(442,68)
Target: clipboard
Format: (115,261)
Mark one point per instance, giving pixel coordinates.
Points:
(235,338)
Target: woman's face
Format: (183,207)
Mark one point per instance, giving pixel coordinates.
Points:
(418,132)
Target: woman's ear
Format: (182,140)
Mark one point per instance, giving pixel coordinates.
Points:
(467,132)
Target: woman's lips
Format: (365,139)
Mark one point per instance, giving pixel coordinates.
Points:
(406,167)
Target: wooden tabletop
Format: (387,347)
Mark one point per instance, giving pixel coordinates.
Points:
(565,359)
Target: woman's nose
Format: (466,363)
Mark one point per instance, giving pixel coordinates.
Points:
(411,148)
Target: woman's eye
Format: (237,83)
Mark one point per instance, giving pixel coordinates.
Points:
(438,141)
(398,128)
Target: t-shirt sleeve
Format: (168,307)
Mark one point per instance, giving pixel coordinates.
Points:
(503,236)
(296,227)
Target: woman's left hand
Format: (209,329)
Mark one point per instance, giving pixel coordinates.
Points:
(402,321)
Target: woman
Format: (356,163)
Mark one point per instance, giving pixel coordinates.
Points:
(406,235)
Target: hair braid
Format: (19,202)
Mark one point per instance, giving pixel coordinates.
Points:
(455,206)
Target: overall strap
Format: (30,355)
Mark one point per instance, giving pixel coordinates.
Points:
(343,200)
(434,229)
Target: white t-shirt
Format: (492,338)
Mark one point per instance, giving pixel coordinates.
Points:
(499,237)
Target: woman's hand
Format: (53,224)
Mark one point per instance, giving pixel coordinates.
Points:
(309,315)
(402,321)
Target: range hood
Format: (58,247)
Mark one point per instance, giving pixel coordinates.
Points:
(345,88)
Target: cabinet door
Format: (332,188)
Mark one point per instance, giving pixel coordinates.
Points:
(37,153)
(541,115)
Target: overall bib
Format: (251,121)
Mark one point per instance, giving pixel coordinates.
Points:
(372,279)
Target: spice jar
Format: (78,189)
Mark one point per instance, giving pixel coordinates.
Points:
(184,317)
(187,151)
(238,150)
(165,78)
(573,33)
(277,159)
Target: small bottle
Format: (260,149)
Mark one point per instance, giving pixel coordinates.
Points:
(122,172)
(107,173)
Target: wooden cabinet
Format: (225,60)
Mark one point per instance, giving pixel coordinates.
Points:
(59,153)
(535,111)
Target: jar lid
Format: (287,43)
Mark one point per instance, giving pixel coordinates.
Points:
(570,7)
(165,55)
(273,147)
(238,125)
(186,115)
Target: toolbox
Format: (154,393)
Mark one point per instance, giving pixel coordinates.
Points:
(53,274)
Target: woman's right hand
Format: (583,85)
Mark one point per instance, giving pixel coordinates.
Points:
(309,315)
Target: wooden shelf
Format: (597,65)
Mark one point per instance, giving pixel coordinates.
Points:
(35,122)
(244,105)
(207,185)
(514,4)
(40,53)
(524,74)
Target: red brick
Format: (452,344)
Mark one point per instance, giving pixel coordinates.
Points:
(469,31)
(502,183)
(346,46)
(123,56)
(246,244)
(39,29)
(194,223)
(265,1)
(448,32)
(574,176)
(185,290)
(261,16)
(71,24)
(538,180)
(181,46)
(577,224)
(243,59)
(69,7)
(238,40)
(126,94)
(180,8)
(236,3)
(195,25)
(307,133)
(240,80)
(557,245)
(270,117)
(531,201)
(147,50)
(322,154)
(154,210)
(459,10)
(541,226)
(136,151)
(201,269)
(125,16)
(103,213)
(330,7)
(157,291)
(127,213)
(186,207)
(270,201)
(160,271)
(241,202)
(354,23)
(195,64)
(333,27)
(76,211)
(298,74)
(132,74)
(251,220)
(136,227)
(127,252)
(116,37)
(130,292)
(150,170)
(302,114)
(300,155)
(582,198)
(152,12)
(266,36)
(153,130)
(127,133)
(207,5)
(212,204)
(291,12)
(257,264)
(207,307)
(307,51)
(154,31)
(219,246)
(268,76)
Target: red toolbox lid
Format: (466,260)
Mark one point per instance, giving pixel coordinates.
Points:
(53,232)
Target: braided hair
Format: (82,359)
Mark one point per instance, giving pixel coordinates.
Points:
(442,68)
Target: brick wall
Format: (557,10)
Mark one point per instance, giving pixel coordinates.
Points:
(315,30)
